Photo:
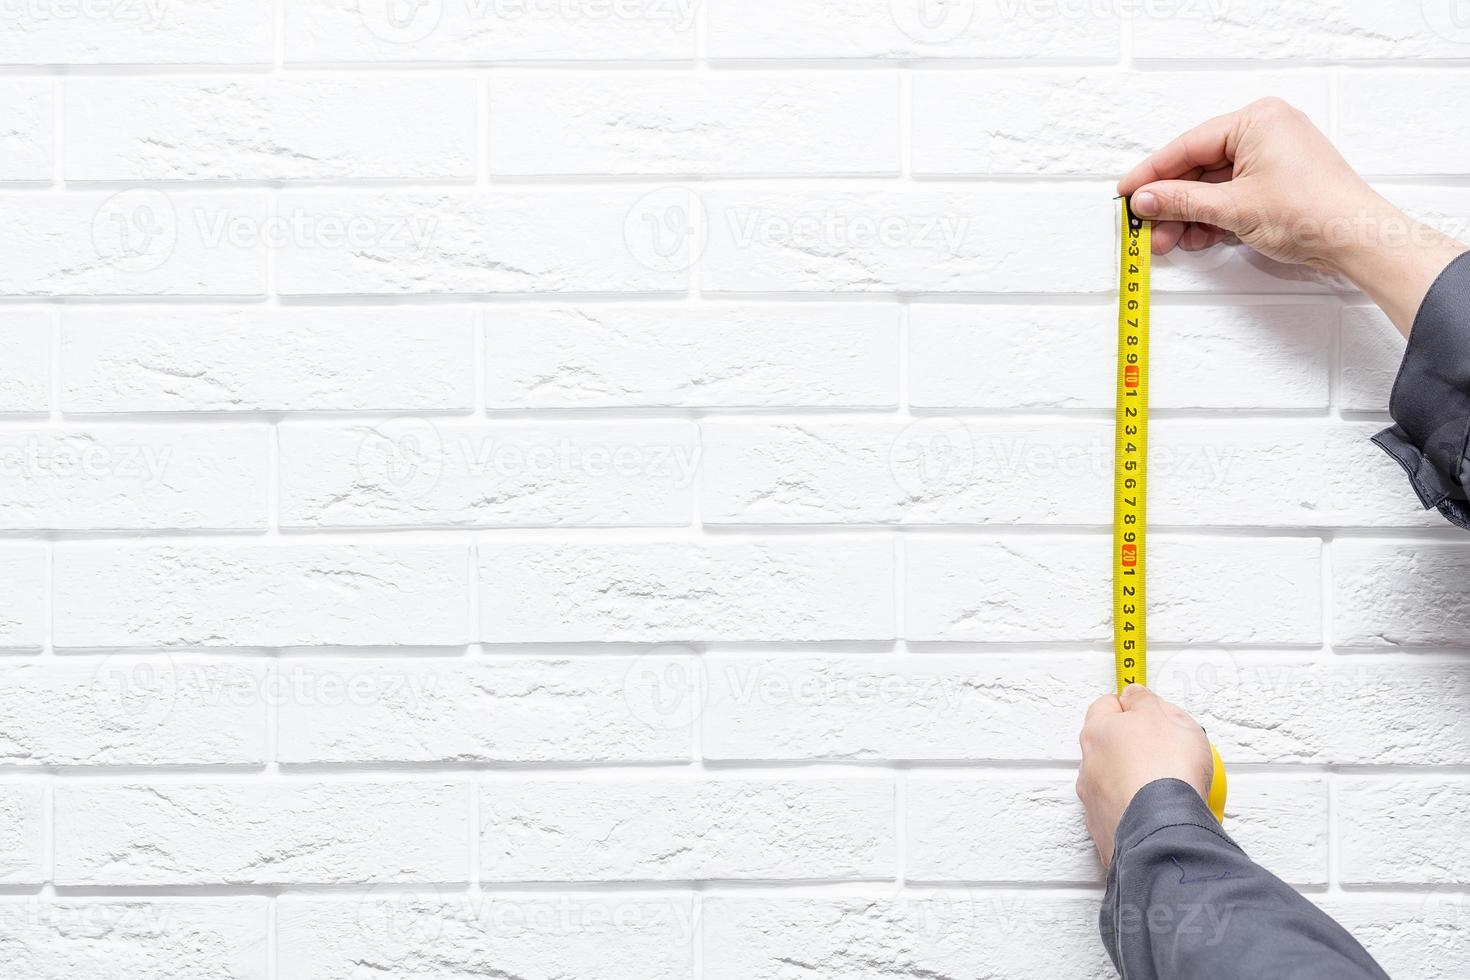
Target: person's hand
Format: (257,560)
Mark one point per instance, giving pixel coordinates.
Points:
(1264,174)
(1268,177)
(1128,741)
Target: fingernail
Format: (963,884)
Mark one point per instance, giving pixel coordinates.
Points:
(1144,204)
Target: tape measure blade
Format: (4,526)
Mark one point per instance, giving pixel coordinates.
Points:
(1130,454)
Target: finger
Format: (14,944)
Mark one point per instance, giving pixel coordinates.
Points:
(1187,200)
(1106,705)
(1209,146)
(1200,237)
(1136,697)
(1166,235)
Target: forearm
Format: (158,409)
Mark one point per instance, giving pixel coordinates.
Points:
(1185,903)
(1392,258)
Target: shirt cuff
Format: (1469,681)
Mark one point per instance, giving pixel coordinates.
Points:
(1431,397)
(1163,803)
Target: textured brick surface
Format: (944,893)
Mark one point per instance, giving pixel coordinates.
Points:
(619,489)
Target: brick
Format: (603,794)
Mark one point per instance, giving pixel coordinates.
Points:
(23,581)
(270,128)
(1410,936)
(390,243)
(1377,106)
(244,359)
(951,819)
(1372,349)
(1286,709)
(1069,122)
(495,474)
(147,710)
(544,936)
(1254,357)
(1402,830)
(1046,839)
(865,706)
(27,109)
(674,123)
(998,471)
(932,471)
(1386,593)
(1204,590)
(137,939)
(261,832)
(133,476)
(514,710)
(1281,822)
(22,833)
(761,29)
(913,240)
(681,828)
(1262,30)
(669,590)
(25,362)
(1276,473)
(152,32)
(945,932)
(328,31)
(136,242)
(714,355)
(251,595)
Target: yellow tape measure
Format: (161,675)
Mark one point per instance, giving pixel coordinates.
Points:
(1130,474)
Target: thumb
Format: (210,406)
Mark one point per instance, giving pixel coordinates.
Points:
(1136,697)
(1186,200)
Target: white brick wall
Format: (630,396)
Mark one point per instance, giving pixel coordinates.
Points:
(620,490)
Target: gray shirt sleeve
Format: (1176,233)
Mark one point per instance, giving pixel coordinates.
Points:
(1185,903)
(1431,398)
